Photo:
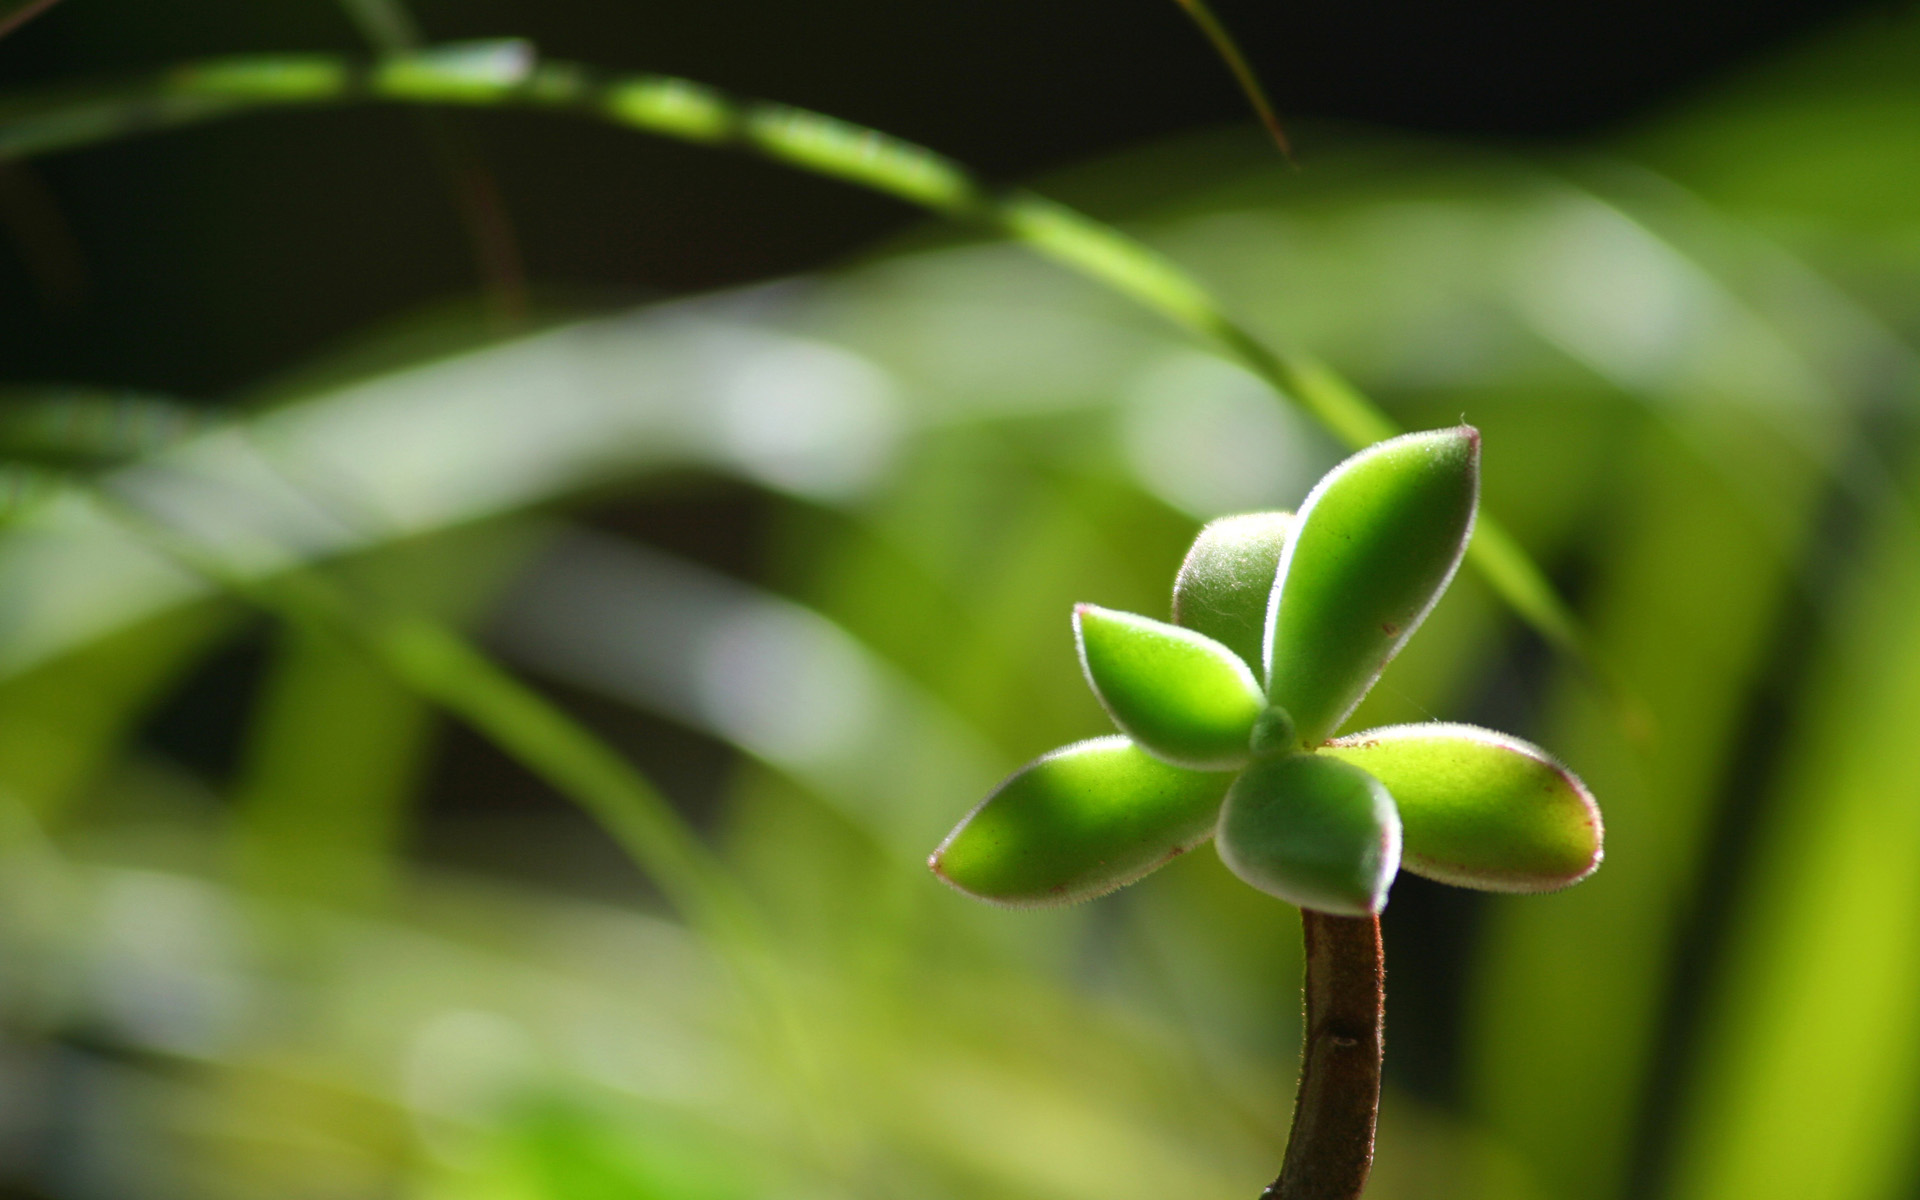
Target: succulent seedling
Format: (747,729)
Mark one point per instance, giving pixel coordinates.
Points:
(1228,715)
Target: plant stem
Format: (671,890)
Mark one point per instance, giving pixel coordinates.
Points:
(1330,1148)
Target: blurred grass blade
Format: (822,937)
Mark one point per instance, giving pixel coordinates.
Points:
(20,12)
(442,666)
(333,749)
(386,24)
(688,111)
(1243,72)
(1570,987)
(25,491)
(90,427)
(62,722)
(336,744)
(441,444)
(1519,581)
(776,680)
(445,668)
(390,29)
(1809,1074)
(482,72)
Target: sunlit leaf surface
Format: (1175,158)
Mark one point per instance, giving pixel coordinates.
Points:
(1314,831)
(1179,694)
(1376,543)
(1227,579)
(1480,809)
(1079,822)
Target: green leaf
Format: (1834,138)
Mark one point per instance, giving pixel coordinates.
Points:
(1314,831)
(1181,695)
(1224,584)
(1481,809)
(1378,539)
(1078,823)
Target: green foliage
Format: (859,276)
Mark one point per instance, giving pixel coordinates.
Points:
(1227,577)
(1340,590)
(1312,830)
(1377,542)
(1078,823)
(1180,695)
(1689,349)
(1480,809)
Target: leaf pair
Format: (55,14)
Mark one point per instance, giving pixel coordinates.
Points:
(1321,603)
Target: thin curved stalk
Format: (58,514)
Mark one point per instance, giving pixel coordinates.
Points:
(1330,1148)
(1242,70)
(390,29)
(505,74)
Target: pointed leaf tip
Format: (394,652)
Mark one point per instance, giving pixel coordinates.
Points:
(1378,540)
(1227,578)
(1314,831)
(1181,695)
(1078,823)
(1481,809)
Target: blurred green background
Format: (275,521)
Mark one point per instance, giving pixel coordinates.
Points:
(786,492)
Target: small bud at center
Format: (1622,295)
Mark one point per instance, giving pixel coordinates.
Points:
(1273,734)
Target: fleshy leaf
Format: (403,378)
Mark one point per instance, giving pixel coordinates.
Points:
(1181,695)
(1079,822)
(1314,831)
(1378,539)
(1480,809)
(1227,579)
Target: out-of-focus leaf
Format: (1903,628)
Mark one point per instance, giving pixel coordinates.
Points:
(1227,579)
(1179,694)
(1838,102)
(1809,1048)
(1314,831)
(1564,1031)
(457,72)
(1480,809)
(86,427)
(61,722)
(336,744)
(567,1152)
(387,25)
(1079,822)
(1377,541)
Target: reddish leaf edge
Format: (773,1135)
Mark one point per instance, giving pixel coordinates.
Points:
(933,860)
(1441,872)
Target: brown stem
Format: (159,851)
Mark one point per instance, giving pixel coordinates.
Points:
(1330,1149)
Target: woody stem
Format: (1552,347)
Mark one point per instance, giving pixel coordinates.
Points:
(1330,1148)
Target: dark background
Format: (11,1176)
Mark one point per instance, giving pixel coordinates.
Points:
(198,262)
